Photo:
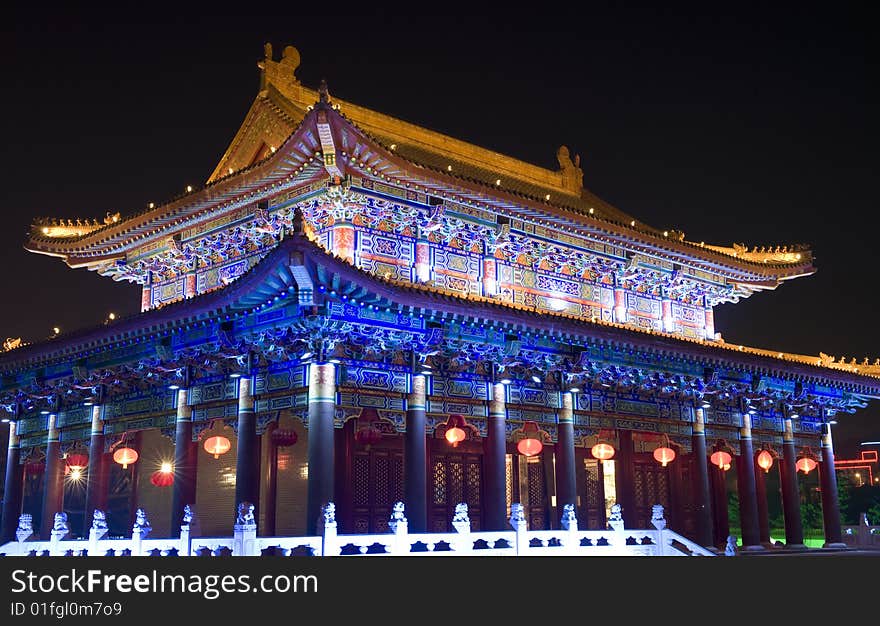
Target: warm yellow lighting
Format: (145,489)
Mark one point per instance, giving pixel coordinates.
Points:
(189,188)
(112,316)
(45,230)
(665,233)
(152,206)
(632,223)
(448,168)
(56,330)
(394,146)
(230,170)
(498,182)
(547,197)
(115,218)
(166,467)
(797,257)
(272,148)
(75,474)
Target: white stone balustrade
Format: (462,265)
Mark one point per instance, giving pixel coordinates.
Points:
(518,541)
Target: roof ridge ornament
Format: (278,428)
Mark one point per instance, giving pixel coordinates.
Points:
(323,92)
(572,174)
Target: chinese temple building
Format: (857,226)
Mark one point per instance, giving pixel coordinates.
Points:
(359,310)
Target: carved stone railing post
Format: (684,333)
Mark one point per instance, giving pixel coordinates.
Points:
(518,523)
(59,531)
(24,531)
(658,520)
(97,531)
(569,539)
(327,530)
(615,520)
(399,527)
(244,531)
(136,538)
(461,522)
(185,546)
(730,548)
(139,532)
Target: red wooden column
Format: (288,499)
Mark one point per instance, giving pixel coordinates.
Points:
(322,406)
(415,460)
(12,487)
(247,464)
(746,488)
(719,506)
(624,479)
(702,493)
(566,483)
(828,481)
(791,500)
(185,460)
(53,495)
(761,496)
(96,479)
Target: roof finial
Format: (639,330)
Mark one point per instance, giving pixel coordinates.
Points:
(323,93)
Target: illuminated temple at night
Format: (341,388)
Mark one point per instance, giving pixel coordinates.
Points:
(357,310)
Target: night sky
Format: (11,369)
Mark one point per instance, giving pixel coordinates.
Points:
(733,127)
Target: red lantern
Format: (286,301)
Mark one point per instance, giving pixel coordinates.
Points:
(368,435)
(284,437)
(721,459)
(125,456)
(765,460)
(530,444)
(806,464)
(217,445)
(161,478)
(604,451)
(664,454)
(77,460)
(454,429)
(33,468)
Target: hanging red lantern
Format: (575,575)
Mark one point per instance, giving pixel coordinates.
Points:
(721,459)
(161,478)
(368,435)
(765,460)
(806,464)
(125,456)
(33,468)
(604,451)
(530,444)
(664,454)
(217,445)
(455,433)
(77,460)
(282,437)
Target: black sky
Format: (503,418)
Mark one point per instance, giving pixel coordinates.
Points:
(734,126)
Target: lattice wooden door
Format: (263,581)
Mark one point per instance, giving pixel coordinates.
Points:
(651,486)
(455,477)
(377,483)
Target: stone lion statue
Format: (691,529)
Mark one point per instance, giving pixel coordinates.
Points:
(142,523)
(99,520)
(329,513)
(616,513)
(61,522)
(25,524)
(245,513)
(657,512)
(517,513)
(397,512)
(187,515)
(461,513)
(568,513)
